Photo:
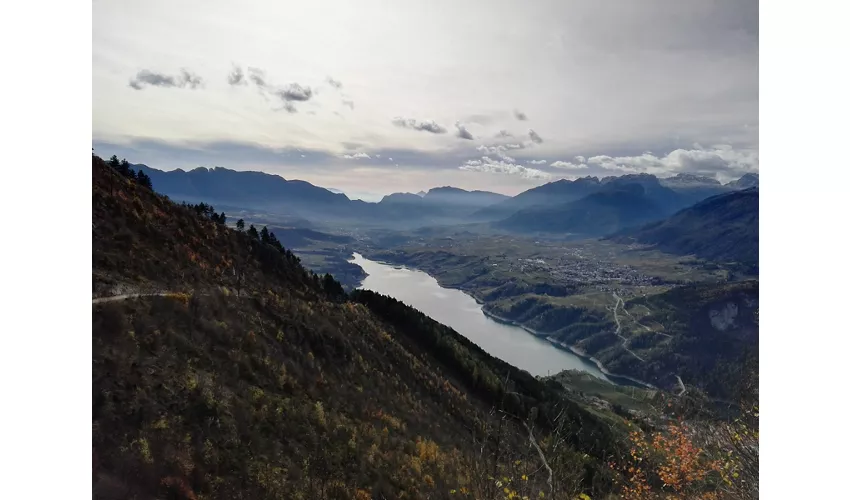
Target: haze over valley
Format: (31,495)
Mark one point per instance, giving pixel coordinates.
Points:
(434,250)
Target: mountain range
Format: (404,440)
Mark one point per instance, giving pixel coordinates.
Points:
(599,213)
(273,193)
(721,228)
(588,205)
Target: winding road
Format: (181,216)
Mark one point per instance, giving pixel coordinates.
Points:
(125,296)
(617,304)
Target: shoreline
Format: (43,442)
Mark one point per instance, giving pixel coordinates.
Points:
(575,350)
(559,345)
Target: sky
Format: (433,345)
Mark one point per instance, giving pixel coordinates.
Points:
(377,97)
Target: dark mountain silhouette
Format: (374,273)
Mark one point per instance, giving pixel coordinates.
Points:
(223,186)
(669,195)
(552,193)
(721,228)
(259,190)
(615,207)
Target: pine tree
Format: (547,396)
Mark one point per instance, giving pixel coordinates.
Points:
(252,232)
(264,235)
(240,225)
(144,179)
(125,170)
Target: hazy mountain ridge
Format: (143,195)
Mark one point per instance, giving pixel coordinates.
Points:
(441,205)
(599,213)
(724,227)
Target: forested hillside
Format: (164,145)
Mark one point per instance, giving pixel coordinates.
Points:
(223,369)
(248,377)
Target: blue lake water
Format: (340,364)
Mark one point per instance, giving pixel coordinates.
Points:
(460,311)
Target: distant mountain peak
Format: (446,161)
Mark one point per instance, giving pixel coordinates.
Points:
(401,197)
(746,181)
(450,189)
(687,179)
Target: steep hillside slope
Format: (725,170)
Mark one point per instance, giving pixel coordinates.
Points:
(248,377)
(721,228)
(710,335)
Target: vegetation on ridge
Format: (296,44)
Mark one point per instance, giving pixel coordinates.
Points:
(254,378)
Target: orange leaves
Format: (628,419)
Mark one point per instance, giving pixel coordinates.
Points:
(672,458)
(363,495)
(183,298)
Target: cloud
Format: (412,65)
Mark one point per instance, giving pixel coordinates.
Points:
(147,77)
(567,165)
(237,77)
(506,158)
(257,76)
(348,102)
(334,83)
(462,132)
(294,92)
(489,165)
(718,161)
(504,133)
(288,94)
(499,148)
(519,115)
(537,162)
(535,137)
(357,156)
(425,126)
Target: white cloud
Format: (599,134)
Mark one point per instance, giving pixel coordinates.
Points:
(537,162)
(489,165)
(567,165)
(720,160)
(505,157)
(358,156)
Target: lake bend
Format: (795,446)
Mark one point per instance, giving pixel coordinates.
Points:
(463,313)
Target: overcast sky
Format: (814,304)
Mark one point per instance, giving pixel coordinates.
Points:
(377,97)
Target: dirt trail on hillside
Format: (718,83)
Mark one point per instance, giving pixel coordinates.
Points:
(125,296)
(617,304)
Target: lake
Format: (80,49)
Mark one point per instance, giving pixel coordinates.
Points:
(461,312)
